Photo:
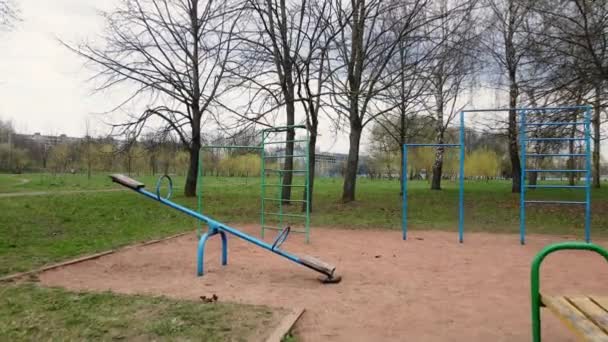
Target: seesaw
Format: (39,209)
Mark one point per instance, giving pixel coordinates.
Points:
(216,227)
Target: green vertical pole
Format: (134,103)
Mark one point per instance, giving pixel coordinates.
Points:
(307,186)
(263,171)
(281,200)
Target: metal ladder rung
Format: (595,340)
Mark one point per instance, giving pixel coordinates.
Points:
(284,200)
(275,170)
(284,142)
(555,139)
(554,202)
(286,186)
(534,155)
(287,156)
(555,123)
(556,170)
(557,186)
(277,228)
(287,215)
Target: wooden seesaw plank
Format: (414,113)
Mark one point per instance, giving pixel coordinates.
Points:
(574,319)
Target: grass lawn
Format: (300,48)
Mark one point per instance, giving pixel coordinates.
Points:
(29,312)
(42,229)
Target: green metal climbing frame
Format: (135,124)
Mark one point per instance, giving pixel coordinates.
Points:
(278,212)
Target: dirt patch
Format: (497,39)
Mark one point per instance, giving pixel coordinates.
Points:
(429,288)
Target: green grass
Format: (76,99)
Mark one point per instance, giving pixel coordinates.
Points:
(38,230)
(29,312)
(48,182)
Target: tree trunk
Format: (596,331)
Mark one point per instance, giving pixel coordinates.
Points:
(513,146)
(350,177)
(437,168)
(194,150)
(596,135)
(290,136)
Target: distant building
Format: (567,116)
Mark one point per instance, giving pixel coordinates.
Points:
(47,140)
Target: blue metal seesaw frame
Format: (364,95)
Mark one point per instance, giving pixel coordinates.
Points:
(216,227)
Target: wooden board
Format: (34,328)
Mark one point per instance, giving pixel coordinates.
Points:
(126,181)
(578,321)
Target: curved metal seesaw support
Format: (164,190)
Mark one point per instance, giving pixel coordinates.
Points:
(216,227)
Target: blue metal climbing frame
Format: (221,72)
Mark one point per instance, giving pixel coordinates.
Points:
(525,141)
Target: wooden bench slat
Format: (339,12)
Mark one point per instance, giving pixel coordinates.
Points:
(592,310)
(601,301)
(574,319)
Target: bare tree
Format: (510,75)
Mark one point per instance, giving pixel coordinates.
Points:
(369,41)
(453,65)
(273,47)
(171,54)
(508,41)
(9,14)
(575,34)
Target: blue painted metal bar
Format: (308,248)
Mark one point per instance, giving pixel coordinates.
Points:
(432,145)
(522,179)
(216,227)
(556,170)
(555,139)
(461,181)
(538,155)
(588,178)
(554,202)
(555,123)
(526,109)
(556,186)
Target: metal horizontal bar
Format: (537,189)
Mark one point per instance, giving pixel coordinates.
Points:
(555,139)
(286,156)
(276,170)
(282,128)
(431,145)
(557,186)
(231,147)
(534,155)
(284,141)
(286,215)
(556,170)
(555,202)
(291,231)
(526,109)
(283,200)
(555,123)
(286,186)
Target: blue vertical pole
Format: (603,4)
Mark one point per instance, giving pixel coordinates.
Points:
(588,175)
(404,193)
(522,178)
(461,183)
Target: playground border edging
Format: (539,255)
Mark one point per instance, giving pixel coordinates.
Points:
(285,325)
(16,276)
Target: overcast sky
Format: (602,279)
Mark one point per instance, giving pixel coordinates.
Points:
(43,86)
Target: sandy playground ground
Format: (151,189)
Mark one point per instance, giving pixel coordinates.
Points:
(429,288)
